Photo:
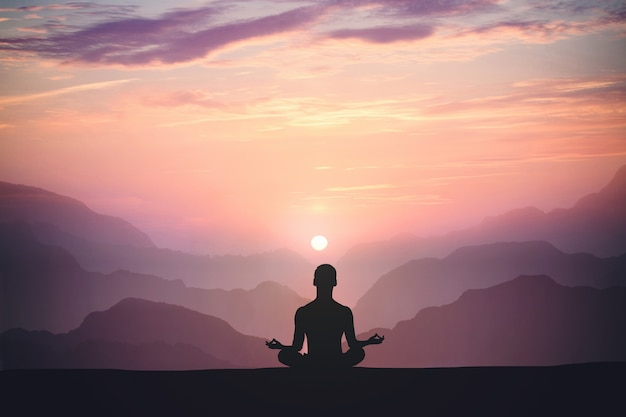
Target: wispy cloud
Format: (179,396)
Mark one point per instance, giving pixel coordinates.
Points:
(367,197)
(84,6)
(557,96)
(67,90)
(184,98)
(185,35)
(362,187)
(175,37)
(384,34)
(417,8)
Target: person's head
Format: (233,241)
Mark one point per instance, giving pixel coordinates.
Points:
(325,276)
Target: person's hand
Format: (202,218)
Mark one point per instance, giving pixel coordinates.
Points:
(274,344)
(375,340)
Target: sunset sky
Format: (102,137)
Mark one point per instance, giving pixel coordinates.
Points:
(245,126)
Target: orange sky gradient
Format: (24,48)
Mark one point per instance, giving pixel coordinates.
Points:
(241,127)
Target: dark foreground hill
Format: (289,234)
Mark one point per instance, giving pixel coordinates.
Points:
(584,389)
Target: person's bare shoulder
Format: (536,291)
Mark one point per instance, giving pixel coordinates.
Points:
(345,310)
(305,309)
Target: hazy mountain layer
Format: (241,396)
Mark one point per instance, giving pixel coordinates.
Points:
(44,288)
(32,205)
(202,271)
(596,224)
(106,244)
(158,335)
(528,321)
(401,293)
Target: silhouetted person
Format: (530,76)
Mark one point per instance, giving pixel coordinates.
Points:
(323,321)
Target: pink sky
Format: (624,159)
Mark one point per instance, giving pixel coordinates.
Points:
(238,127)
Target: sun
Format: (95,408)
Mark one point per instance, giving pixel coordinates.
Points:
(319,242)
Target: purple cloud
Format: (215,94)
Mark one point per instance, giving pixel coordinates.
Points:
(384,34)
(185,35)
(419,8)
(444,7)
(176,37)
(82,7)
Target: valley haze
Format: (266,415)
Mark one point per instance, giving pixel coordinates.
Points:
(104,296)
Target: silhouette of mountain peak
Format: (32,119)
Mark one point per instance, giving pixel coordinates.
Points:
(140,306)
(35,205)
(611,197)
(134,302)
(619,179)
(523,289)
(616,188)
(499,250)
(272,287)
(136,319)
(18,239)
(540,280)
(514,216)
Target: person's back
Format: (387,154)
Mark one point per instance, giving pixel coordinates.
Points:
(323,322)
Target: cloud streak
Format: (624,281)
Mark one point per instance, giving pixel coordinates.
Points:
(563,97)
(185,35)
(55,7)
(384,34)
(417,8)
(184,98)
(61,91)
(171,39)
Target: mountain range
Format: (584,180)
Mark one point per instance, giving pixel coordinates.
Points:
(44,288)
(401,293)
(106,244)
(596,224)
(81,289)
(35,205)
(138,334)
(528,321)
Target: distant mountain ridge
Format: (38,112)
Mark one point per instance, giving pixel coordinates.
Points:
(157,335)
(35,205)
(596,224)
(528,321)
(102,243)
(401,293)
(45,288)
(45,285)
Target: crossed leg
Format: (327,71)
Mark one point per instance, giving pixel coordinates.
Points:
(347,359)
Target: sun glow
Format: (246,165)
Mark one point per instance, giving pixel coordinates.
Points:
(319,242)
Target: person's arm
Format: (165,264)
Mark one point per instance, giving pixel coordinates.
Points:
(373,340)
(353,342)
(298,332)
(298,336)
